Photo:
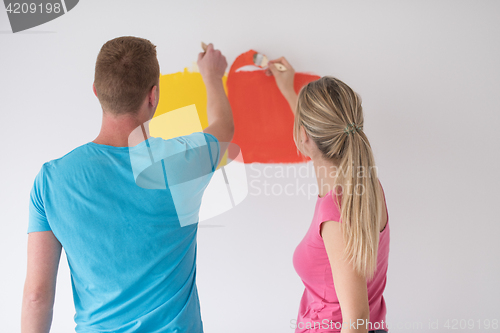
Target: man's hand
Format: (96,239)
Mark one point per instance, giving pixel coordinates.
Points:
(212,64)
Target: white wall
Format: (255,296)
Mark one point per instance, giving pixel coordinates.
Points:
(428,72)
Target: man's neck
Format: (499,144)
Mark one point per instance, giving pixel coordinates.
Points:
(115,130)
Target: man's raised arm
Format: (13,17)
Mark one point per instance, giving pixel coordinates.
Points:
(212,65)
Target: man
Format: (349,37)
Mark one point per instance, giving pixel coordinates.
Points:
(132,263)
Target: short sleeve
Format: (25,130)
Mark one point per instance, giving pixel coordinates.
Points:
(213,149)
(197,158)
(328,211)
(188,173)
(37,217)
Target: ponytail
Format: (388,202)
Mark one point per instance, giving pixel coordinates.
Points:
(359,200)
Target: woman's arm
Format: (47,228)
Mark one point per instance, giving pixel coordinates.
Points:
(284,80)
(44,252)
(350,287)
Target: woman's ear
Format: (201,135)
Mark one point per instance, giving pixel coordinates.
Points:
(304,138)
(303,135)
(304,141)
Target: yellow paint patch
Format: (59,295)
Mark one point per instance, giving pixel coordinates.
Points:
(181,89)
(178,92)
(172,124)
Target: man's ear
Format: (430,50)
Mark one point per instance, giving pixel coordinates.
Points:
(153,96)
(93,88)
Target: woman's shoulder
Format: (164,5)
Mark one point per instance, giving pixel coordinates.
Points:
(328,208)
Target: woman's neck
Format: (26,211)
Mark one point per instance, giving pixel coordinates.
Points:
(326,174)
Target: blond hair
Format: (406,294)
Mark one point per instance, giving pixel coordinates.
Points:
(332,116)
(125,71)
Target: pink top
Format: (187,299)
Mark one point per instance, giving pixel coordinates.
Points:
(320,305)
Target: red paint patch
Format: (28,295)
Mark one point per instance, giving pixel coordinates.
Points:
(262,117)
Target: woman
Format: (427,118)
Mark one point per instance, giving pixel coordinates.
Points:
(343,257)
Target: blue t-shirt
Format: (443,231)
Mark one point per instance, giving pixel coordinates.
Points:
(132,258)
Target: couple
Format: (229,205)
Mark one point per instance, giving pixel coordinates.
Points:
(133,266)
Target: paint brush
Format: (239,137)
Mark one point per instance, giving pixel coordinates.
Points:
(261,60)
